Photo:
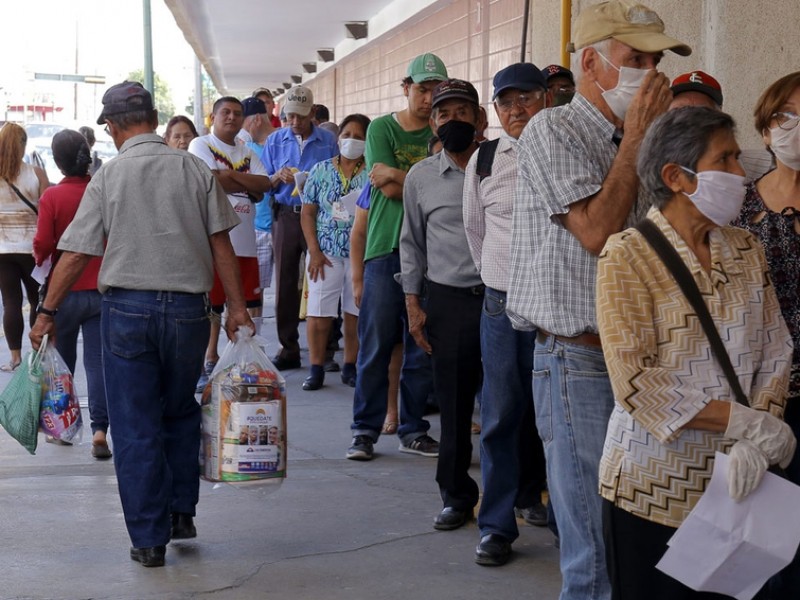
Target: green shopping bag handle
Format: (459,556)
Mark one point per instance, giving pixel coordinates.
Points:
(36,359)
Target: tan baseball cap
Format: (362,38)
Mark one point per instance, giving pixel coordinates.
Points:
(632,24)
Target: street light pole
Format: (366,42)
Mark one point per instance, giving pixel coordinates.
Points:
(148,49)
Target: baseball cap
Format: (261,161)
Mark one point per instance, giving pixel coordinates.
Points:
(632,24)
(299,100)
(426,67)
(698,81)
(260,91)
(557,71)
(253,106)
(128,96)
(519,76)
(450,89)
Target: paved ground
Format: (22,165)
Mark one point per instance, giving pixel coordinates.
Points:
(334,529)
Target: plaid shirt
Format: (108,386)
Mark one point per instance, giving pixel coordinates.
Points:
(564,155)
(488,206)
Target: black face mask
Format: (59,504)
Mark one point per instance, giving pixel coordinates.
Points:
(456,136)
(561,98)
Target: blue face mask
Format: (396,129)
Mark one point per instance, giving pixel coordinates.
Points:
(719,195)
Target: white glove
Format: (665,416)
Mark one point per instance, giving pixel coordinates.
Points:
(772,436)
(746,469)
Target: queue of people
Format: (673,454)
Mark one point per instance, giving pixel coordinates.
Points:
(522,271)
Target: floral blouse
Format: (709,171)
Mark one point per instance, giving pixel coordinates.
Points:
(781,242)
(325,187)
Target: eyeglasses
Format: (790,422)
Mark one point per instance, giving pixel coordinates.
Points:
(522,100)
(562,89)
(786,120)
(108,132)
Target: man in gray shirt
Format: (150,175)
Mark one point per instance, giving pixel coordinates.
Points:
(163,222)
(435,257)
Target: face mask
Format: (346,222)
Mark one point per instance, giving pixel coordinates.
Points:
(456,136)
(352,148)
(786,146)
(719,195)
(619,98)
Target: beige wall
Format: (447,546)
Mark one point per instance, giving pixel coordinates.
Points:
(745,44)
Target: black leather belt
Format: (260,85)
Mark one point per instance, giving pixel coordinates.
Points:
(292,208)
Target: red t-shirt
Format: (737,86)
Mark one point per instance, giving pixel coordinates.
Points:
(276,121)
(57,208)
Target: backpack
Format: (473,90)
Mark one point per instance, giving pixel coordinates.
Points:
(486,152)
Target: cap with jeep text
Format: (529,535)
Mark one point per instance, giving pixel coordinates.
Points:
(125,97)
(634,25)
(298,100)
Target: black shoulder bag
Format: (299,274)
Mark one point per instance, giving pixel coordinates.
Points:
(23,198)
(683,277)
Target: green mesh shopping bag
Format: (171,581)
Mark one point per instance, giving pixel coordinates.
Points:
(21,400)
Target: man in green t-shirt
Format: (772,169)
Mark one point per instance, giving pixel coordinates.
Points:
(395,142)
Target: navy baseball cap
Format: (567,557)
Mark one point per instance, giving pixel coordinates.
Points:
(519,76)
(253,106)
(128,96)
(556,71)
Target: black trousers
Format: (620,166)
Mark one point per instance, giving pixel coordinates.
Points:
(453,328)
(633,548)
(288,246)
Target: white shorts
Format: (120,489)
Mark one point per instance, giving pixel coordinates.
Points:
(264,255)
(324,294)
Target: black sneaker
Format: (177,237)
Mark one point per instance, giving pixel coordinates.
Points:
(424,445)
(533,515)
(361,449)
(284,364)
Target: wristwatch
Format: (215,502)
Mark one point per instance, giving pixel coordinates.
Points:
(46,311)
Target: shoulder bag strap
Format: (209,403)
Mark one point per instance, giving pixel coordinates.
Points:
(23,198)
(683,277)
(486,152)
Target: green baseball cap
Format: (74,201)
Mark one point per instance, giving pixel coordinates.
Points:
(426,67)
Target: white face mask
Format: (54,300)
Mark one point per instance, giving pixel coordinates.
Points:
(619,98)
(352,148)
(786,146)
(719,195)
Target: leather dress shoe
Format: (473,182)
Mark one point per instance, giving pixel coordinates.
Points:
(183,527)
(314,382)
(149,557)
(493,550)
(282,363)
(451,518)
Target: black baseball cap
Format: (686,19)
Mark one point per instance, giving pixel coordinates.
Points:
(128,96)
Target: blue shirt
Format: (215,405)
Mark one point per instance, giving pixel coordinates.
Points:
(263,220)
(282,150)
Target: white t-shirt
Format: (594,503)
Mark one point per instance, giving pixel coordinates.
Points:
(220,156)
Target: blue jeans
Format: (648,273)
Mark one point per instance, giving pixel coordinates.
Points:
(382,323)
(80,311)
(153,348)
(573,399)
(507,421)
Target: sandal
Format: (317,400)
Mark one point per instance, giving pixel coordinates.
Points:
(9,367)
(389,426)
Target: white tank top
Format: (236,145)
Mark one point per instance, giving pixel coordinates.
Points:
(17,220)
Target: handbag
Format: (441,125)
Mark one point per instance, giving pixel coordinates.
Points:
(672,260)
(23,198)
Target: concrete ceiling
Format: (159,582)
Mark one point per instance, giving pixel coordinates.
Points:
(262,43)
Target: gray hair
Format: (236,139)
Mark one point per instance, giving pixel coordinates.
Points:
(603,47)
(133,118)
(679,136)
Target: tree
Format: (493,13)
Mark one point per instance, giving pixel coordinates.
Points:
(210,94)
(163,95)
